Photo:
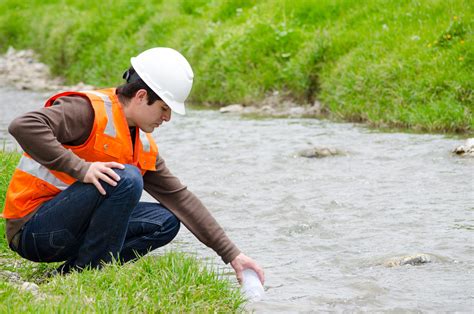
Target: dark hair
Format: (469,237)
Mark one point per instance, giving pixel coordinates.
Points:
(133,85)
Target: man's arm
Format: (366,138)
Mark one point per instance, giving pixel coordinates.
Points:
(168,190)
(42,132)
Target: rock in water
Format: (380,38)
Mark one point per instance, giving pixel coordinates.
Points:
(414,260)
(320,152)
(467,149)
(236,108)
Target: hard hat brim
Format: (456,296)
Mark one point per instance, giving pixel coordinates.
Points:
(177,107)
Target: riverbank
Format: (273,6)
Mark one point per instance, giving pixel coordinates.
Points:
(171,282)
(387,64)
(323,228)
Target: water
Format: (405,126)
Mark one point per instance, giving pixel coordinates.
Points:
(13,103)
(322,228)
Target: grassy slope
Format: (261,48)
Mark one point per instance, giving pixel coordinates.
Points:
(397,63)
(168,284)
(173,282)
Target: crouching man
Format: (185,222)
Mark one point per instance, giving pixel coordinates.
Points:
(75,195)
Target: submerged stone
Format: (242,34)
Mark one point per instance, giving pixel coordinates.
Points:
(320,152)
(414,260)
(236,108)
(465,150)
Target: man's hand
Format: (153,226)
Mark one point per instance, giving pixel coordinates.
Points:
(102,171)
(242,262)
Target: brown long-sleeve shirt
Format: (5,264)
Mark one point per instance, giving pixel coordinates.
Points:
(42,133)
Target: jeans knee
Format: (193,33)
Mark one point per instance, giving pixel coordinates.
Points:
(131,177)
(169,229)
(174,226)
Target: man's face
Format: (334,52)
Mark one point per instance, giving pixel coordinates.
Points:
(149,117)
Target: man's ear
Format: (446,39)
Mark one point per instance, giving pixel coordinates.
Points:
(141,94)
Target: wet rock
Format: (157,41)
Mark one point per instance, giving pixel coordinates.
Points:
(280,105)
(267,109)
(30,286)
(250,110)
(320,152)
(414,260)
(467,149)
(236,108)
(298,111)
(277,105)
(21,69)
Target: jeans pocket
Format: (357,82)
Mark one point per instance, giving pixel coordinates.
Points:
(53,246)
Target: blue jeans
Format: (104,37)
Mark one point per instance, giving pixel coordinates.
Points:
(86,229)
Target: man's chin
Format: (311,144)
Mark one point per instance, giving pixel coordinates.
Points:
(148,129)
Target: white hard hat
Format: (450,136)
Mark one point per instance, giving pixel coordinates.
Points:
(167,73)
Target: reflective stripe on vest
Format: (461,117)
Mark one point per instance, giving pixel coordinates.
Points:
(110,128)
(145,142)
(34,168)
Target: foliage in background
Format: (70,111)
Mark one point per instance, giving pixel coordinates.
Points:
(404,63)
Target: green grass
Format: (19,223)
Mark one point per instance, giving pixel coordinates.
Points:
(173,282)
(405,64)
(8,162)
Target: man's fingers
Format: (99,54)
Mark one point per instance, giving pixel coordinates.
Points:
(239,276)
(103,171)
(261,275)
(113,164)
(104,177)
(112,174)
(99,187)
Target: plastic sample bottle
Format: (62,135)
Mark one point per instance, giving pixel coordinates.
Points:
(251,285)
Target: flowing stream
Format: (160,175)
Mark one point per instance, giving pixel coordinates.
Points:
(323,228)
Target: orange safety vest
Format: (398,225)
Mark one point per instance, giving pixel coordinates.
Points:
(33,184)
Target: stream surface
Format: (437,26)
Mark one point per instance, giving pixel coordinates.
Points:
(322,228)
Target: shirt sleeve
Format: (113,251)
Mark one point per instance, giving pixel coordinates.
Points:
(168,190)
(42,133)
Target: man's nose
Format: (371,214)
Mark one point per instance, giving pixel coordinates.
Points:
(166,115)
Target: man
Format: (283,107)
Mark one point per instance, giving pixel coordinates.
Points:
(75,195)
